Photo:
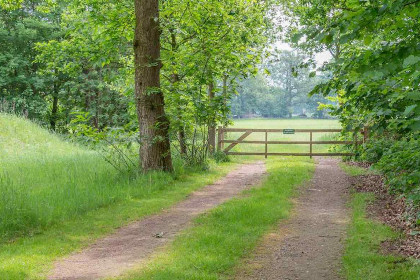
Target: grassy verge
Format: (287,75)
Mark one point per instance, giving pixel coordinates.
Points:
(30,257)
(362,258)
(218,240)
(56,197)
(354,170)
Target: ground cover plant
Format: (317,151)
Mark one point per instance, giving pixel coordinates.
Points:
(218,239)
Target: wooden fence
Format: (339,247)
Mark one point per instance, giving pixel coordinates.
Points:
(247,131)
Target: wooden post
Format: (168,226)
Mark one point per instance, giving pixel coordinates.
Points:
(310,145)
(355,143)
(365,134)
(223,138)
(219,138)
(266,144)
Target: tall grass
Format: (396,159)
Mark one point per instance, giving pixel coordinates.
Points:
(44,180)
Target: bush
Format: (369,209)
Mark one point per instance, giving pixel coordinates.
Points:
(221,157)
(374,150)
(400,164)
(399,161)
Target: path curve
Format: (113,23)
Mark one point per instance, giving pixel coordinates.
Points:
(310,244)
(130,245)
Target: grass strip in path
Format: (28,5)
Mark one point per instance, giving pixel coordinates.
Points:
(363,258)
(31,257)
(220,238)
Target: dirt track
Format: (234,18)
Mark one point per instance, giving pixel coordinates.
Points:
(131,245)
(310,244)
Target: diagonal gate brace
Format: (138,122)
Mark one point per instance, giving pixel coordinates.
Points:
(239,140)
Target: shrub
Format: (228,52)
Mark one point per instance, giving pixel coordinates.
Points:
(400,164)
(221,157)
(399,161)
(374,150)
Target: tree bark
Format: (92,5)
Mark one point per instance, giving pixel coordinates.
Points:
(211,126)
(175,80)
(54,110)
(225,90)
(155,153)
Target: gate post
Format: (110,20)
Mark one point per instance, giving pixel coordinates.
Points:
(266,144)
(219,138)
(310,145)
(365,134)
(355,140)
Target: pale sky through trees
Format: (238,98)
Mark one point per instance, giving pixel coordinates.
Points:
(319,57)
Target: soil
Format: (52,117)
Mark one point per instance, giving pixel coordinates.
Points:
(310,244)
(131,245)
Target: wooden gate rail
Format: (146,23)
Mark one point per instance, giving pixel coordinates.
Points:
(246,132)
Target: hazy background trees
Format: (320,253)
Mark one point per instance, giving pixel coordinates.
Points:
(281,90)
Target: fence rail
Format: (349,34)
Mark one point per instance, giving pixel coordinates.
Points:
(247,132)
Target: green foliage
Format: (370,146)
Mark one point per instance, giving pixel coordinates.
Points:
(57,197)
(399,161)
(220,156)
(118,146)
(84,61)
(375,149)
(376,58)
(21,86)
(400,164)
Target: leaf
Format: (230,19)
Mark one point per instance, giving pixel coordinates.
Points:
(296,37)
(409,109)
(412,59)
(367,40)
(415,126)
(415,95)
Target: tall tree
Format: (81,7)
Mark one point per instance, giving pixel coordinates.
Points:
(155,153)
(376,67)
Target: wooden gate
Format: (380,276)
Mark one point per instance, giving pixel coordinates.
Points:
(248,131)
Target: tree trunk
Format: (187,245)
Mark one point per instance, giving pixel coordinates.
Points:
(181,138)
(225,90)
(175,80)
(54,110)
(155,153)
(211,125)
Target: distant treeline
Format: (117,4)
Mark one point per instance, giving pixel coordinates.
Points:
(283,92)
